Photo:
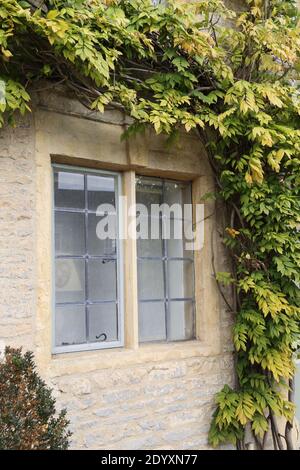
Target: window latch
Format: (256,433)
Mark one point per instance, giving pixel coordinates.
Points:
(102,337)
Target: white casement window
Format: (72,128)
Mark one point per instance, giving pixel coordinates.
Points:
(88,277)
(89,271)
(165,267)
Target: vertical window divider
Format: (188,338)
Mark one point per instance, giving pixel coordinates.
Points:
(165,267)
(130,259)
(120,302)
(86,267)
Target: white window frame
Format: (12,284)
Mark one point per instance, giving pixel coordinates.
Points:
(119,258)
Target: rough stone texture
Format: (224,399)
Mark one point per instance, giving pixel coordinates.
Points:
(153,406)
(17,234)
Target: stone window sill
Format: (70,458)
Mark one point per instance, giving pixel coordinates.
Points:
(82,362)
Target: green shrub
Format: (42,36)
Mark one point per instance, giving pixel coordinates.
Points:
(27,409)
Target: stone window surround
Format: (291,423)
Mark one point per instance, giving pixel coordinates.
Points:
(207,342)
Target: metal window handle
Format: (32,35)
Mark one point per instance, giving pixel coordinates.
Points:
(102,337)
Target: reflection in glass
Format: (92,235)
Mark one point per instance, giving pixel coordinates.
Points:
(69,280)
(103,325)
(180,320)
(70,325)
(177,193)
(69,190)
(101,190)
(152,319)
(180,279)
(150,247)
(102,279)
(69,233)
(149,191)
(150,279)
(95,245)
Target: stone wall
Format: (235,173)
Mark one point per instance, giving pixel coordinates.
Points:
(151,406)
(17,233)
(158,398)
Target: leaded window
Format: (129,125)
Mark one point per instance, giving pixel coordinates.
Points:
(88,300)
(165,266)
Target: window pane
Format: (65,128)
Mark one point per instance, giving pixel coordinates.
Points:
(69,190)
(181,279)
(180,320)
(70,325)
(69,233)
(69,280)
(151,247)
(150,279)
(176,242)
(176,249)
(102,279)
(178,280)
(177,193)
(101,190)
(103,322)
(152,321)
(149,191)
(96,226)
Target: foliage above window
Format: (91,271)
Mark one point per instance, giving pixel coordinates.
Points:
(236,86)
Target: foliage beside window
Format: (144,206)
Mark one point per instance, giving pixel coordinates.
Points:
(237,87)
(28,418)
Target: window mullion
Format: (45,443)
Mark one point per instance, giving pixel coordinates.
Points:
(165,267)
(130,273)
(86,258)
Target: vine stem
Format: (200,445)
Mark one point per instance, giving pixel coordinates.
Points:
(289,424)
(276,435)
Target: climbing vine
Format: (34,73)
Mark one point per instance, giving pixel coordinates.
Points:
(231,77)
